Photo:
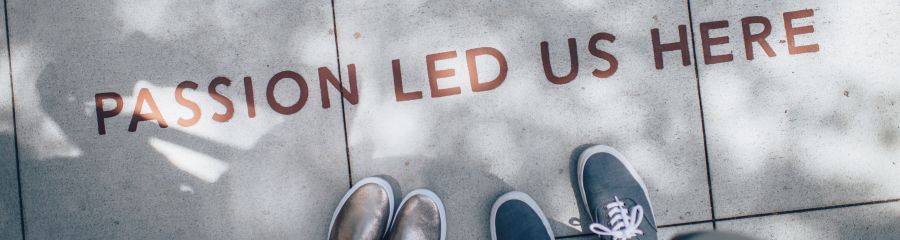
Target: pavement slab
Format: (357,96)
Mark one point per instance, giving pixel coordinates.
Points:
(10,217)
(257,174)
(875,221)
(472,143)
(800,113)
(811,128)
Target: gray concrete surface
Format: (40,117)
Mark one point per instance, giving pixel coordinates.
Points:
(523,135)
(270,177)
(878,221)
(783,133)
(10,217)
(665,233)
(807,130)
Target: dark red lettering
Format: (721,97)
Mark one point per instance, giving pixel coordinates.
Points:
(760,37)
(325,77)
(179,97)
(473,69)
(708,42)
(682,45)
(155,115)
(293,108)
(613,62)
(573,63)
(103,114)
(792,32)
(229,106)
(434,75)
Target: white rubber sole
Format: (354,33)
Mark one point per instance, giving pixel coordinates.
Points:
(376,180)
(521,197)
(587,153)
(437,201)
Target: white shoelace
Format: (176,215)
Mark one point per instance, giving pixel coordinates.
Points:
(623,225)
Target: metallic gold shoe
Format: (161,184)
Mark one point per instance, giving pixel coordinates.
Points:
(421,216)
(365,211)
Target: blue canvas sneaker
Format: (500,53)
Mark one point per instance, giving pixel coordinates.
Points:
(515,216)
(614,196)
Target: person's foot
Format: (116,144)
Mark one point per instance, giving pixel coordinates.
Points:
(365,211)
(516,216)
(421,216)
(614,196)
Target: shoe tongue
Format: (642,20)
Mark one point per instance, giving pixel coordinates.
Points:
(629,203)
(601,212)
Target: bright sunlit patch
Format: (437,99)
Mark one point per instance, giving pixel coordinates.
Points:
(6,125)
(313,51)
(400,133)
(200,165)
(186,189)
(48,140)
(55,142)
(144,16)
(581,4)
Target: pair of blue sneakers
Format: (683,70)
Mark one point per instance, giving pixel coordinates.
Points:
(613,195)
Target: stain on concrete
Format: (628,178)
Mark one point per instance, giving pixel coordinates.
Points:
(888,137)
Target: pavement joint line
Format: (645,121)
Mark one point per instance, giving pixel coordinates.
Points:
(12,97)
(337,55)
(659,227)
(810,209)
(712,206)
(761,215)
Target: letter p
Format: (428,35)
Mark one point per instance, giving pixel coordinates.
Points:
(103,114)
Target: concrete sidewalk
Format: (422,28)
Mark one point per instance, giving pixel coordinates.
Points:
(801,142)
